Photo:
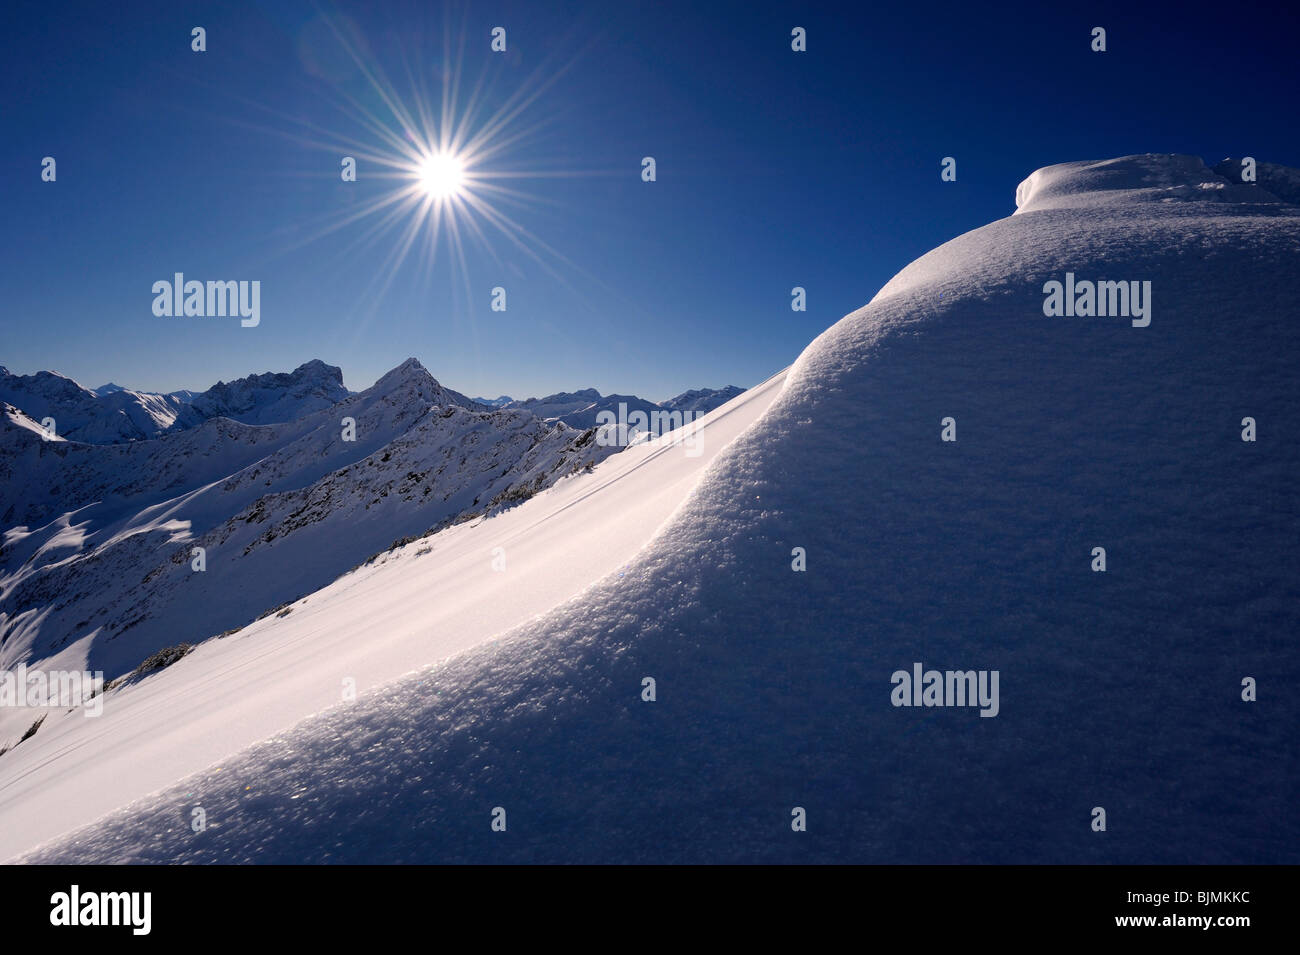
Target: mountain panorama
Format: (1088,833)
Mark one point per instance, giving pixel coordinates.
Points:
(281,481)
(919,586)
(111,413)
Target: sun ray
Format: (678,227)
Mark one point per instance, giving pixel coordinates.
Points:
(445,159)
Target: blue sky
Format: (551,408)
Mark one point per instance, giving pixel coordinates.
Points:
(775,169)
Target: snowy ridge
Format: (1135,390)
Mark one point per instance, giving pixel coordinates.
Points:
(14,420)
(773,686)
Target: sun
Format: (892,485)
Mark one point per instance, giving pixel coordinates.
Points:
(447,154)
(441,175)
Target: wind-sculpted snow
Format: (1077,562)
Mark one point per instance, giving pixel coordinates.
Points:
(1119,689)
(1124,185)
(1280,181)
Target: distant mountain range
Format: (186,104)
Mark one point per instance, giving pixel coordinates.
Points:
(98,418)
(112,388)
(112,414)
(579,409)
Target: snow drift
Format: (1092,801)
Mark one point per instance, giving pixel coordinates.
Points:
(1120,690)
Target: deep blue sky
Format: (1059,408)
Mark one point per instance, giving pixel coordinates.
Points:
(776,169)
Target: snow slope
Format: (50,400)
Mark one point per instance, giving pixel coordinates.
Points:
(242,688)
(13,422)
(1119,690)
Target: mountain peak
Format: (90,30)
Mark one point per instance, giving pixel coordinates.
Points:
(318,369)
(412,374)
(47,382)
(274,396)
(409,370)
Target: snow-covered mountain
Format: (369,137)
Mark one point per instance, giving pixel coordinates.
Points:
(13,421)
(112,414)
(580,409)
(84,415)
(680,653)
(274,396)
(97,566)
(701,400)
